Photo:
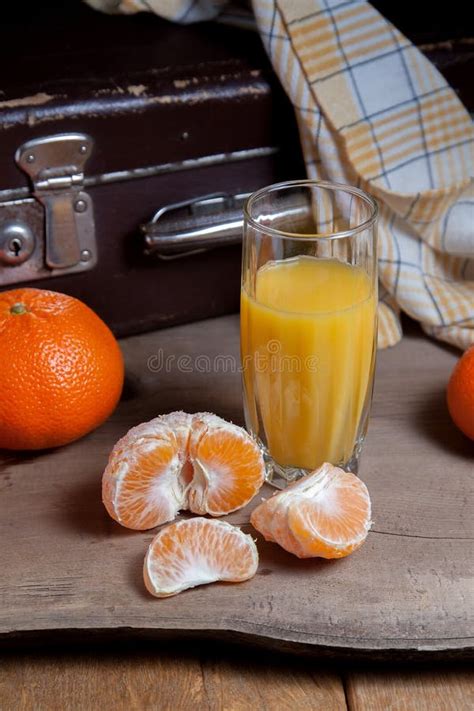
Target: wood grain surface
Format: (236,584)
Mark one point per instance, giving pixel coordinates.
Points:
(441,690)
(67,565)
(205,680)
(164,682)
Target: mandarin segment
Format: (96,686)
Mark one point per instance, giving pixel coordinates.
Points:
(270,519)
(180,422)
(141,485)
(262,517)
(325,514)
(334,523)
(228,467)
(281,532)
(195,552)
(179,461)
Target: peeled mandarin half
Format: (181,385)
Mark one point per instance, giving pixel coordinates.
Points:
(180,461)
(325,514)
(144,483)
(195,552)
(227,464)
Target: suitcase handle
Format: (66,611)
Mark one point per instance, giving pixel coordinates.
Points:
(203,223)
(196,225)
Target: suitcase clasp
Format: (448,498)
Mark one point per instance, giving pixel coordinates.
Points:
(55,165)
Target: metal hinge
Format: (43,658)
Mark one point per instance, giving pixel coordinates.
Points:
(55,165)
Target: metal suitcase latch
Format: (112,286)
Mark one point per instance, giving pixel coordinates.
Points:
(61,238)
(207,222)
(195,225)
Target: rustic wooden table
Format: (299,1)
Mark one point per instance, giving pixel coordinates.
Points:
(409,424)
(191,678)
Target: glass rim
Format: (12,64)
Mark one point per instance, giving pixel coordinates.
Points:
(308,182)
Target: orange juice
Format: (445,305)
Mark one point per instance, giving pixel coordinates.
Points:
(308,346)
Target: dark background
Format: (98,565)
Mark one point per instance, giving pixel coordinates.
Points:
(425,21)
(35,31)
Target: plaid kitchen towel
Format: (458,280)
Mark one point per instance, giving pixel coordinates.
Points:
(374,112)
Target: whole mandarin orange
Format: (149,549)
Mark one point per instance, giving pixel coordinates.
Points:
(461,393)
(61,369)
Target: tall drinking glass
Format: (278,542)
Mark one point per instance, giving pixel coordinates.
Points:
(308,324)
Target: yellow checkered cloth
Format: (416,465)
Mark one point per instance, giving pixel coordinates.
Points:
(374,112)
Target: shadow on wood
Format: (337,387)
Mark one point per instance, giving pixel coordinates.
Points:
(432,420)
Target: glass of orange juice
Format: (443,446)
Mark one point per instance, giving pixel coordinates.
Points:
(308,324)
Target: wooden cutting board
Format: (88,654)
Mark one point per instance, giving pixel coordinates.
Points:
(66,566)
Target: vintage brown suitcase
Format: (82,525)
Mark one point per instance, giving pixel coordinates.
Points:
(109,121)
